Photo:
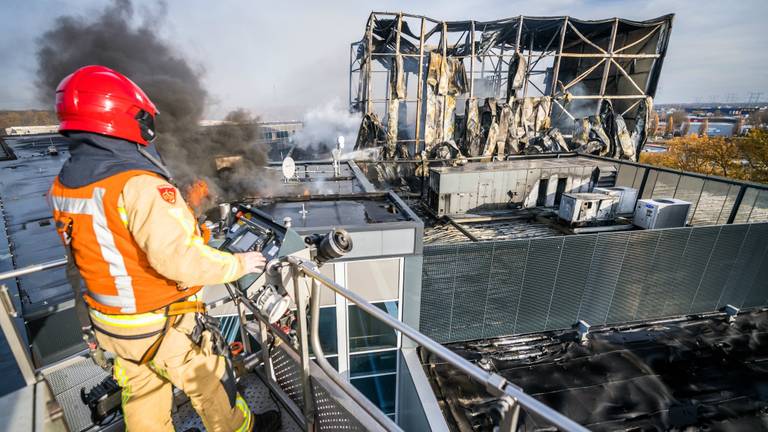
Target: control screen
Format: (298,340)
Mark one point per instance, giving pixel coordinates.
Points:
(252,231)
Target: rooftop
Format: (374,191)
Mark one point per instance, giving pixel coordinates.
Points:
(702,372)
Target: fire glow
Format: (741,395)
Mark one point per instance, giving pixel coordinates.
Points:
(197,194)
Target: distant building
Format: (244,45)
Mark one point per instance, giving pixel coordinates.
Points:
(279,132)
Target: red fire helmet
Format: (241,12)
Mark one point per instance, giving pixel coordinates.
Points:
(100,100)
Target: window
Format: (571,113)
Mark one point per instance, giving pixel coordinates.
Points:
(366,333)
(372,363)
(327,327)
(375,280)
(379,389)
(328,340)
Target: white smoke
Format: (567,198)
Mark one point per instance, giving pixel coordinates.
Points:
(325,123)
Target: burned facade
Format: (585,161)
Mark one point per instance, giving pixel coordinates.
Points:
(490,89)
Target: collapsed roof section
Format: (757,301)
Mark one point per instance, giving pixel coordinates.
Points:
(459,89)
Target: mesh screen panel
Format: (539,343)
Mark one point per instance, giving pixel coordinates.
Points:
(491,289)
(330,414)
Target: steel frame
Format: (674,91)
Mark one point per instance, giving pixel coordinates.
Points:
(498,56)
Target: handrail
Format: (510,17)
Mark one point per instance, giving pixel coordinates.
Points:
(363,401)
(33,268)
(496,384)
(8,327)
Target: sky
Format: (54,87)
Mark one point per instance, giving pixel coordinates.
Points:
(281,59)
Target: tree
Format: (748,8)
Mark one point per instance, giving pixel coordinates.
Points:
(702,154)
(759,119)
(738,126)
(684,128)
(703,127)
(670,129)
(754,151)
(654,127)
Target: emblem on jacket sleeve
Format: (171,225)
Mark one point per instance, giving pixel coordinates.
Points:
(168,193)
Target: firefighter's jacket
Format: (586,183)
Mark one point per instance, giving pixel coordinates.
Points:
(136,243)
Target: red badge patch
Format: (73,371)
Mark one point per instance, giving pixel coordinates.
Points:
(168,193)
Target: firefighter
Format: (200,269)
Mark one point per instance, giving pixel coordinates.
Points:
(143,259)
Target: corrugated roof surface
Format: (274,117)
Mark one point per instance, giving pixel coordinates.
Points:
(24,184)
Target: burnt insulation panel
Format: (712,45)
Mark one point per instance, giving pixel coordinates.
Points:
(492,289)
(697,374)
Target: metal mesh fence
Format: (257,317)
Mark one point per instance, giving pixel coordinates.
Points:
(330,414)
(490,289)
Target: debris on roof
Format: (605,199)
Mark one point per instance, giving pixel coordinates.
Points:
(701,372)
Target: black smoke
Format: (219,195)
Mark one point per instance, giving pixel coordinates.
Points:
(117,38)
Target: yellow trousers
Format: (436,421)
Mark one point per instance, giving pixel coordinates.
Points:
(147,389)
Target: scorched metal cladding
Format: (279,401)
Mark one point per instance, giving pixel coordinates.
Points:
(698,374)
(522,85)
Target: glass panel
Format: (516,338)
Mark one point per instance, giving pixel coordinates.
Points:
(733,192)
(372,363)
(653,175)
(712,203)
(334,361)
(626,175)
(368,333)
(379,389)
(374,280)
(665,186)
(760,210)
(327,325)
(747,204)
(689,189)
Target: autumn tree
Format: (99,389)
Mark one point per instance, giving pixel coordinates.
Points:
(670,129)
(754,151)
(759,118)
(654,124)
(703,127)
(684,128)
(679,117)
(703,154)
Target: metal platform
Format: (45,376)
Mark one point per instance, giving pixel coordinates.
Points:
(66,383)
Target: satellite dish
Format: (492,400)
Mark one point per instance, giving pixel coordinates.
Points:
(289,167)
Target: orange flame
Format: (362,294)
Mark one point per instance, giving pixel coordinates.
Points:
(197,194)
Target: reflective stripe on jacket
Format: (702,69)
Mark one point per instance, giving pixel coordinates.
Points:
(136,243)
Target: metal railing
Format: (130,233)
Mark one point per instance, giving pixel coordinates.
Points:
(511,396)
(8,312)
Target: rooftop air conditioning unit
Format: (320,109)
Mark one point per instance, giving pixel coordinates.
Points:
(661,213)
(580,208)
(627,197)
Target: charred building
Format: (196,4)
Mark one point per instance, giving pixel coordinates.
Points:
(522,85)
